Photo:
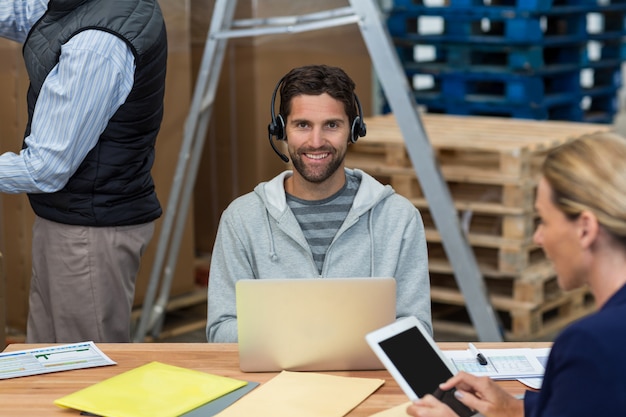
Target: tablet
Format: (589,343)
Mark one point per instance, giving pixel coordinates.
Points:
(417,364)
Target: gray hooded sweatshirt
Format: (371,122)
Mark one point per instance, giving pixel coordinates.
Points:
(259,237)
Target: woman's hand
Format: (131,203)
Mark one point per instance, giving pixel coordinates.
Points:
(429,406)
(478,393)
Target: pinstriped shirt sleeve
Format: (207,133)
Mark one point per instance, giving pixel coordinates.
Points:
(82,92)
(17,17)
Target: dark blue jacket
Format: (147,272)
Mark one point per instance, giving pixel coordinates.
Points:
(113,186)
(586,371)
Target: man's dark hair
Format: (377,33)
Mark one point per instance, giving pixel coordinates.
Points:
(315,80)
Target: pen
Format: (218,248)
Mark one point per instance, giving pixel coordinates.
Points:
(479,356)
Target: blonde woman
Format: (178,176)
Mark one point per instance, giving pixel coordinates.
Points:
(581,200)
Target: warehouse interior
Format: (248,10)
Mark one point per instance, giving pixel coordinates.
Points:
(513,85)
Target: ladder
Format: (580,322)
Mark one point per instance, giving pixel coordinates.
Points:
(365,14)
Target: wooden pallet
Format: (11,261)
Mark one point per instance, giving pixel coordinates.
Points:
(506,259)
(528,292)
(489,229)
(481,197)
(499,224)
(530,304)
(537,271)
(469,149)
(520,320)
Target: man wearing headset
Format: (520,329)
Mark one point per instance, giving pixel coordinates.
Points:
(321,219)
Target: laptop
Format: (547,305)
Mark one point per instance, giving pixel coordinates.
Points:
(311,324)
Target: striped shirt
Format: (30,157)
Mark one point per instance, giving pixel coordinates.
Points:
(321,219)
(92,80)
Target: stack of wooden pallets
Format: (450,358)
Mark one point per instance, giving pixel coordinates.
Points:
(491,166)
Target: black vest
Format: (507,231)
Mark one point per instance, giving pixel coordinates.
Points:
(113,185)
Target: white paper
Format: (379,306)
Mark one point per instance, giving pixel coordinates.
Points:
(51,359)
(542,356)
(502,363)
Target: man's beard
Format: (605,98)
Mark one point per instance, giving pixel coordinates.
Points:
(319,174)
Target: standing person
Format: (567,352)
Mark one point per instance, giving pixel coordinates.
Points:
(95,105)
(321,219)
(581,200)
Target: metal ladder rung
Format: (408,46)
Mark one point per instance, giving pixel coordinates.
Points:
(294,19)
(207,104)
(289,28)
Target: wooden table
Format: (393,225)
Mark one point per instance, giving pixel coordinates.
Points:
(34,395)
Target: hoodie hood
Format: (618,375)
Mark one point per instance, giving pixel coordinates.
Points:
(370,193)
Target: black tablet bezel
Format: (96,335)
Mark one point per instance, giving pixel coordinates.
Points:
(414,360)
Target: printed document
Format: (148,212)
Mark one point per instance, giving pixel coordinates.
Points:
(51,359)
(501,363)
(542,355)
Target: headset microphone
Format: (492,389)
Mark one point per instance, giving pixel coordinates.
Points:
(279,153)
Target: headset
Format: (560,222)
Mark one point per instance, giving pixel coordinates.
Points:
(276,128)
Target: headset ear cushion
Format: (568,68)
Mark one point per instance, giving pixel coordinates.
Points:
(277,128)
(362,128)
(358,129)
(280,128)
(354,135)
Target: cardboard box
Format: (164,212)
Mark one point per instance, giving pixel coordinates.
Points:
(237,154)
(16,216)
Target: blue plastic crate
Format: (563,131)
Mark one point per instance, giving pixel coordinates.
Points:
(593,106)
(559,29)
(570,111)
(601,78)
(502,88)
(479,47)
(467,4)
(489,58)
(600,105)
(605,50)
(499,7)
(606,24)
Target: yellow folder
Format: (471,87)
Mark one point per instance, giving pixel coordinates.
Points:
(151,390)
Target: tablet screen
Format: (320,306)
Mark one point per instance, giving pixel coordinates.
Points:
(421,367)
(416,361)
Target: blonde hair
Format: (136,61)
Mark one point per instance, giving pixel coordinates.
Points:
(589,173)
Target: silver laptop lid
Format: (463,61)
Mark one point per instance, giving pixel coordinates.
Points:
(311,324)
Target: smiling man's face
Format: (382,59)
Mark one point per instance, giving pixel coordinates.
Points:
(317,137)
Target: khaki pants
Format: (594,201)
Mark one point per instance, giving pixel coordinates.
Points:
(83,281)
